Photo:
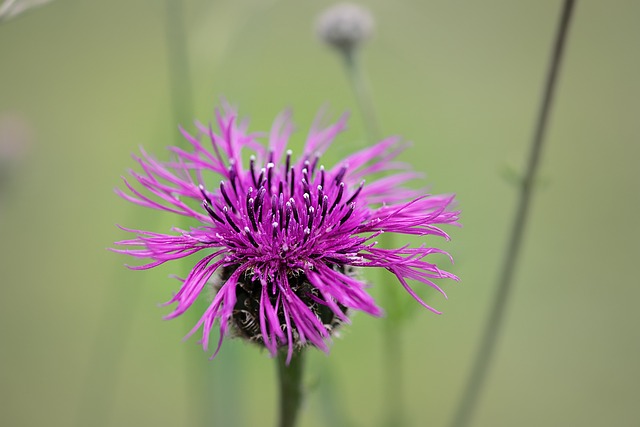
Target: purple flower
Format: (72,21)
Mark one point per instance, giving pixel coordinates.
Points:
(281,238)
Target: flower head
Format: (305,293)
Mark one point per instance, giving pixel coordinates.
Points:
(345,26)
(281,237)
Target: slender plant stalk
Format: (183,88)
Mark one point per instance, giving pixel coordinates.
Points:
(362,94)
(106,354)
(178,64)
(493,327)
(95,403)
(198,391)
(290,379)
(330,399)
(392,357)
(393,372)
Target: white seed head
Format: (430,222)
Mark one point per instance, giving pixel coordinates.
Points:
(345,26)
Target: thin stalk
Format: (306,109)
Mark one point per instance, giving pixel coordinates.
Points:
(392,355)
(393,371)
(178,64)
(493,327)
(290,380)
(362,94)
(108,348)
(96,400)
(198,393)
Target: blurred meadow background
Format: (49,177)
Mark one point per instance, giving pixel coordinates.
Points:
(84,83)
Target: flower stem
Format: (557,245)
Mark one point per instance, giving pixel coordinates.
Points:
(178,65)
(392,369)
(290,377)
(362,94)
(181,107)
(96,402)
(493,326)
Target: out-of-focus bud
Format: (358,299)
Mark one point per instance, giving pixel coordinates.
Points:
(15,139)
(12,8)
(345,26)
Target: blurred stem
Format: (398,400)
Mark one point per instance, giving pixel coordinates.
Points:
(198,393)
(178,64)
(392,354)
(105,355)
(113,331)
(290,379)
(393,372)
(493,327)
(392,369)
(362,94)
(331,400)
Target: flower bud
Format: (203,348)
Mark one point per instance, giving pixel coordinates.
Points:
(345,26)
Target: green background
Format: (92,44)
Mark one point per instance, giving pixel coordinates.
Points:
(81,337)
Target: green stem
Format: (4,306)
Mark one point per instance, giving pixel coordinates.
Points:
(494,324)
(181,106)
(95,403)
(362,94)
(178,64)
(392,354)
(290,378)
(392,370)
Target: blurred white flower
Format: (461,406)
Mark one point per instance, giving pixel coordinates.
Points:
(11,8)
